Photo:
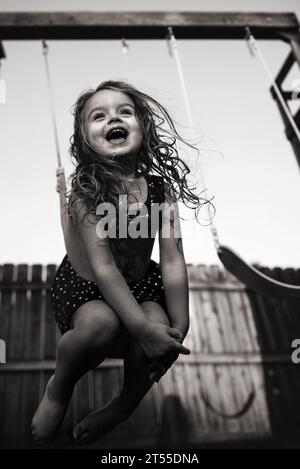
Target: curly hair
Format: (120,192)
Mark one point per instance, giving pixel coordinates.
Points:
(97,180)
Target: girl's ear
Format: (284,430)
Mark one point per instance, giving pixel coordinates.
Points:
(141,167)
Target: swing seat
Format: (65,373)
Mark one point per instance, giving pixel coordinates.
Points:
(235,415)
(253,278)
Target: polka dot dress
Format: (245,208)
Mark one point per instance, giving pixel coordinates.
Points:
(69,290)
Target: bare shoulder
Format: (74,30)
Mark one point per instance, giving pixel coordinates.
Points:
(80,212)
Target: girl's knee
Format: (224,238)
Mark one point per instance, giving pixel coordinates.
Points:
(155,312)
(96,323)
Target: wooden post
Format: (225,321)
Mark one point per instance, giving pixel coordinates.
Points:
(290,134)
(286,67)
(2,52)
(294,56)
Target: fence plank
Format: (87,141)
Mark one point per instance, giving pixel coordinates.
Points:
(7,306)
(50,323)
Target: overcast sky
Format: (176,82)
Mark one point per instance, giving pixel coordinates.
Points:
(249,165)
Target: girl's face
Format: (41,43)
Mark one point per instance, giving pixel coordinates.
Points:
(111,125)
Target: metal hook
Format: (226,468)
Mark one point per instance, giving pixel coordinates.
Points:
(251,42)
(171,41)
(125,45)
(45,47)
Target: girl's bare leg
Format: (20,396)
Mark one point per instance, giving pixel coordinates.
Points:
(95,328)
(135,387)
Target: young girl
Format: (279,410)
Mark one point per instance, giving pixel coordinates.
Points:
(109,298)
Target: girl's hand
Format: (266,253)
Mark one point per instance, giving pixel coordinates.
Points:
(61,179)
(161,342)
(158,368)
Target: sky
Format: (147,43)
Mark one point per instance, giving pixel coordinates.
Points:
(248,163)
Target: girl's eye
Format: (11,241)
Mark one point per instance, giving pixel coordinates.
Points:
(126,111)
(99,115)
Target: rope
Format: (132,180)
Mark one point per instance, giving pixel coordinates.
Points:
(2,86)
(255,50)
(45,53)
(125,49)
(2,81)
(173,49)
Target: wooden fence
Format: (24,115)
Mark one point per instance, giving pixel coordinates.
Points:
(238,386)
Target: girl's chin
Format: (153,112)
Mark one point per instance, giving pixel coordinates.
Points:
(121,147)
(121,150)
(125,150)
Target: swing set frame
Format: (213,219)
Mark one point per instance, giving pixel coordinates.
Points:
(154,25)
(186,25)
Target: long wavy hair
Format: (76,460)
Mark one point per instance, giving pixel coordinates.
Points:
(97,179)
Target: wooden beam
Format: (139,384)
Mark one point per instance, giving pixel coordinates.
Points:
(295,45)
(143,25)
(210,285)
(223,358)
(286,67)
(25,286)
(289,131)
(44,365)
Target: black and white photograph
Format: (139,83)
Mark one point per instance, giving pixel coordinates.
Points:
(149,191)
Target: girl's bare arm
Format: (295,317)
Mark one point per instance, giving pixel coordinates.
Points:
(173,267)
(155,338)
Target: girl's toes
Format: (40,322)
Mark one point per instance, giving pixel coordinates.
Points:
(34,434)
(84,437)
(38,440)
(77,432)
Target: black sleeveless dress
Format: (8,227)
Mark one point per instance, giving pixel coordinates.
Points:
(69,290)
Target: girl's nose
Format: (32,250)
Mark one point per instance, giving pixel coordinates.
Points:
(114,118)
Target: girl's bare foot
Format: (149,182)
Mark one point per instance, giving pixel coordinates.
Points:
(97,424)
(48,417)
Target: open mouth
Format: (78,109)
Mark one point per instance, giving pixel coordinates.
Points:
(117,135)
